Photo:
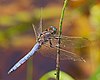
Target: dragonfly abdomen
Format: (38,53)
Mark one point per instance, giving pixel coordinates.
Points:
(20,62)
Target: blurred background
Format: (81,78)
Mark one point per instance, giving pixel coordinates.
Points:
(82,18)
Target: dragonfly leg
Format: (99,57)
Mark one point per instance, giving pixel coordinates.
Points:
(50,43)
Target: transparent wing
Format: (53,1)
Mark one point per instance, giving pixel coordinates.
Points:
(71,43)
(64,54)
(35,31)
(75,41)
(67,47)
(38,30)
(41,23)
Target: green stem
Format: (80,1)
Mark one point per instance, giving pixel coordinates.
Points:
(58,47)
(62,16)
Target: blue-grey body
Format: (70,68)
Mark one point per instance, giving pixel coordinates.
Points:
(43,38)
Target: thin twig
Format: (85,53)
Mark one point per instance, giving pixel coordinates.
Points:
(58,47)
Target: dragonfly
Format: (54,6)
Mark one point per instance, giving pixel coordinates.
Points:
(49,40)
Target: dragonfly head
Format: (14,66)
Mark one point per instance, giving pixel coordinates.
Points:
(52,29)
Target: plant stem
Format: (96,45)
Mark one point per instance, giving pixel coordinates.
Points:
(62,16)
(59,39)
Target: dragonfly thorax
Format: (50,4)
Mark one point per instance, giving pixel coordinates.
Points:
(44,37)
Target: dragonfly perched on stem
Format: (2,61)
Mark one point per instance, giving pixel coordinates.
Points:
(49,39)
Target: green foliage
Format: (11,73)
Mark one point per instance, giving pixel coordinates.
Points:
(95,16)
(6,20)
(55,13)
(96,75)
(23,17)
(51,75)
